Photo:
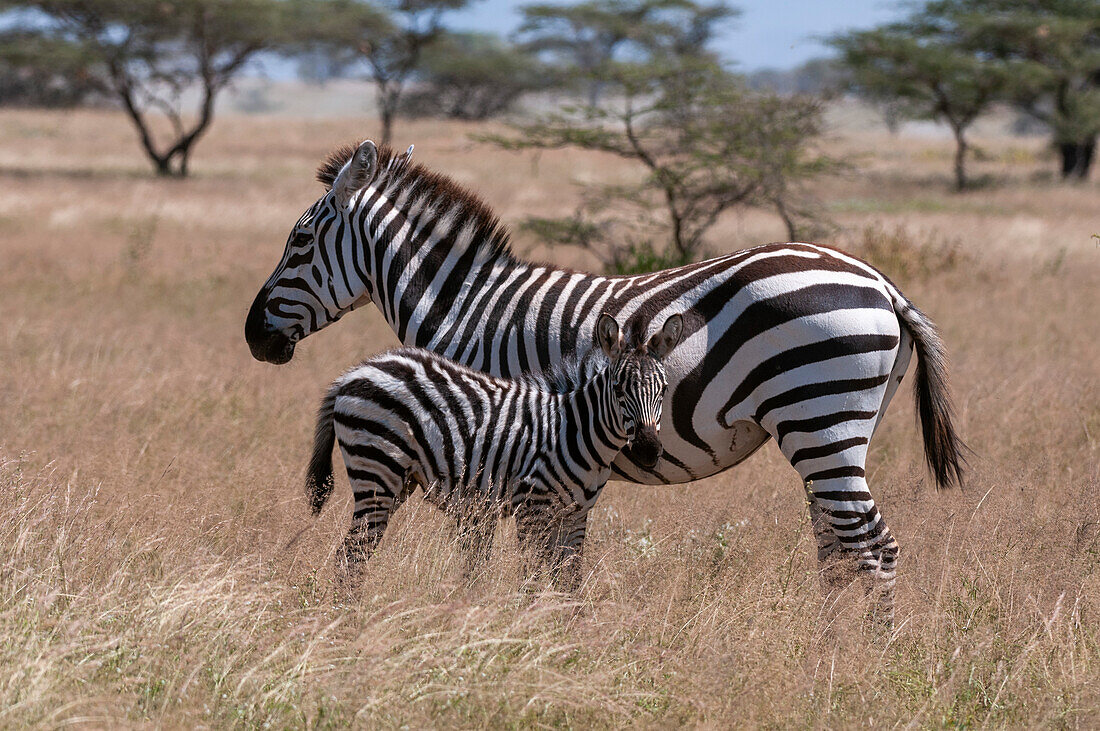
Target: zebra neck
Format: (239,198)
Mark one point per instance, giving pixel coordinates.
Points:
(592,424)
(431,269)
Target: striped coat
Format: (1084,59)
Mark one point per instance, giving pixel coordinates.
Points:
(540,447)
(795,342)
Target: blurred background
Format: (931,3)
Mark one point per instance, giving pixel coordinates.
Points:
(154,155)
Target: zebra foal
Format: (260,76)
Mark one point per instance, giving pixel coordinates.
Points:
(539,447)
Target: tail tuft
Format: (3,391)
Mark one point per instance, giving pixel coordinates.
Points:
(319,481)
(943,448)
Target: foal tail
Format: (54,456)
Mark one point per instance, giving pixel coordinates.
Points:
(943,448)
(319,480)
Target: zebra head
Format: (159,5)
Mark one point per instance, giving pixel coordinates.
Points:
(321,276)
(638,382)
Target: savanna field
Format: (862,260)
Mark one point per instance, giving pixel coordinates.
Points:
(158,565)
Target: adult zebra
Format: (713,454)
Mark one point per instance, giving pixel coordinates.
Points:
(798,342)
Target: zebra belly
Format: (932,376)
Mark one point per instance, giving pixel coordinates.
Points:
(744,438)
(774,349)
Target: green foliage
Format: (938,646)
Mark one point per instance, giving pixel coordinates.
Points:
(38,71)
(586,38)
(1055,46)
(146,54)
(641,257)
(923,66)
(390,38)
(474,76)
(951,59)
(629,253)
(706,143)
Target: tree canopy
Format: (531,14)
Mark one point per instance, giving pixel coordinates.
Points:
(1055,48)
(925,67)
(704,142)
(586,38)
(474,76)
(389,38)
(952,59)
(147,54)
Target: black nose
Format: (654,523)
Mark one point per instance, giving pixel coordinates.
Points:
(267,345)
(646,447)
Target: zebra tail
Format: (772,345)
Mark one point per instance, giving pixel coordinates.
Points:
(319,481)
(943,448)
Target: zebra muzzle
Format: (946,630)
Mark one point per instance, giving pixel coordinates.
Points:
(645,449)
(266,344)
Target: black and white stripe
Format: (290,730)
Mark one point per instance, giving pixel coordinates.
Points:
(540,446)
(797,342)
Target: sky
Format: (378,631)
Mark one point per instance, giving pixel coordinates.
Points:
(776,34)
(768,34)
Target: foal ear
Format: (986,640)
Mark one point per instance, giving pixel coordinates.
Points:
(666,338)
(608,336)
(356,172)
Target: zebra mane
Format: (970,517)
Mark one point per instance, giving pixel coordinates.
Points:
(568,374)
(395,174)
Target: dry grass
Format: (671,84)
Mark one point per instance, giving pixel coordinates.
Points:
(150,489)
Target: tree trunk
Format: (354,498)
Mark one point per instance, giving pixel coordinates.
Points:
(1077,158)
(184,160)
(387,124)
(388,97)
(961,148)
(595,88)
(165,168)
(788,219)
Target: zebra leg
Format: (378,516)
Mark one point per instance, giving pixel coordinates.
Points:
(532,532)
(830,458)
(846,505)
(375,500)
(556,539)
(835,561)
(567,547)
(476,527)
(824,434)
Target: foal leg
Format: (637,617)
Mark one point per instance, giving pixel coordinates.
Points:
(377,492)
(556,538)
(477,522)
(567,547)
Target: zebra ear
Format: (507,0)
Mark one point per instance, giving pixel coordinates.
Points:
(356,172)
(667,337)
(608,336)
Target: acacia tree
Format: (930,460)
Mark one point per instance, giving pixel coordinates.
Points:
(924,71)
(705,143)
(474,76)
(37,71)
(389,39)
(1055,45)
(584,39)
(147,54)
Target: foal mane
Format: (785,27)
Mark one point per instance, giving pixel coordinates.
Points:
(569,374)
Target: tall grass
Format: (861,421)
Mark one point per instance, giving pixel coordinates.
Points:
(158,565)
